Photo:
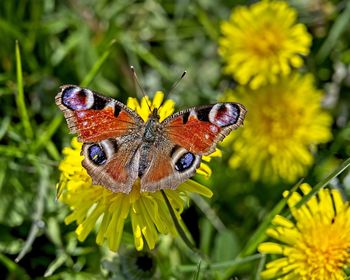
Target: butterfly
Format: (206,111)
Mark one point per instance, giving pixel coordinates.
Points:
(119,147)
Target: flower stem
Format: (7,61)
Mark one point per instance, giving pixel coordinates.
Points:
(181,231)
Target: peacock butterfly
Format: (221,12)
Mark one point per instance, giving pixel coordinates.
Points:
(119,147)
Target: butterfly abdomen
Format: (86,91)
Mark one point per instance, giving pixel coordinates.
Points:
(152,137)
(144,159)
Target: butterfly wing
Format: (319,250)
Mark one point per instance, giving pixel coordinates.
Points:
(200,129)
(111,133)
(95,117)
(186,136)
(168,166)
(113,163)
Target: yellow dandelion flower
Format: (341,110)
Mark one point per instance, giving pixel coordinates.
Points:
(284,122)
(93,205)
(261,42)
(316,245)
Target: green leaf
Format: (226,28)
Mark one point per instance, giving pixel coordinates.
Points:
(226,246)
(53,231)
(57,263)
(206,230)
(15,271)
(259,235)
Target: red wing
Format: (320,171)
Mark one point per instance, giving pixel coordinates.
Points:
(94,117)
(199,129)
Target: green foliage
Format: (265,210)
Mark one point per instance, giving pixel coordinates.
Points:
(45,44)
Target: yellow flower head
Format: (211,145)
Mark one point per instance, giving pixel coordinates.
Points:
(263,41)
(284,121)
(95,205)
(316,245)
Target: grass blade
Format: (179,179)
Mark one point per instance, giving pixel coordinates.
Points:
(10,151)
(4,126)
(146,56)
(196,274)
(48,132)
(261,266)
(39,211)
(324,182)
(97,66)
(28,131)
(221,265)
(340,25)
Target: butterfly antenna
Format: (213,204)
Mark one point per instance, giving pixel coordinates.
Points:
(175,84)
(140,87)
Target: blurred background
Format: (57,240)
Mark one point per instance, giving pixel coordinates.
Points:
(62,42)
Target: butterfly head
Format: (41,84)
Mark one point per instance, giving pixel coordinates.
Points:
(155,115)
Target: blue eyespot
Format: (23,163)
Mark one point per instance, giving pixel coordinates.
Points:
(96,154)
(185,162)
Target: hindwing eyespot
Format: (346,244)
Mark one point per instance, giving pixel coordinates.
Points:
(185,162)
(97,155)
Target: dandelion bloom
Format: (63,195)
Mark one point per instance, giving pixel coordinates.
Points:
(263,41)
(95,205)
(316,245)
(285,121)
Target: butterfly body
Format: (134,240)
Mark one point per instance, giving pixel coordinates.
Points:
(120,147)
